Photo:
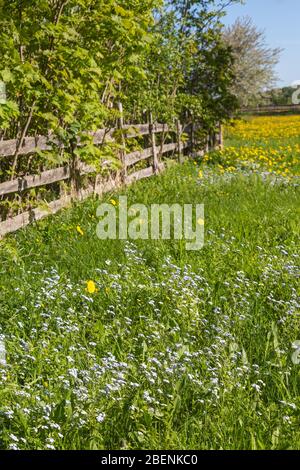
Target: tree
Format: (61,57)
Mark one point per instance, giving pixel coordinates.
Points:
(277,97)
(254,61)
(188,68)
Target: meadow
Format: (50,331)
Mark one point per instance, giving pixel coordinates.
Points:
(144,345)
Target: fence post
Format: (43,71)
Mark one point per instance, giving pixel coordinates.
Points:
(211,140)
(179,134)
(122,152)
(221,137)
(214,137)
(74,171)
(206,144)
(153,143)
(192,139)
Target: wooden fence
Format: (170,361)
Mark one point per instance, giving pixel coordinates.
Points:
(292,108)
(97,184)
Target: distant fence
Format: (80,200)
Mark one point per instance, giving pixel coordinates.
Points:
(293,108)
(73,172)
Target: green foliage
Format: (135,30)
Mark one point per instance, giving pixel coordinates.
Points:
(66,63)
(187,69)
(276,97)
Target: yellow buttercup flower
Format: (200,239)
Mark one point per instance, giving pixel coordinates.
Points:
(113,202)
(79,230)
(91,287)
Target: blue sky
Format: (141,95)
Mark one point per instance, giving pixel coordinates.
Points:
(280,20)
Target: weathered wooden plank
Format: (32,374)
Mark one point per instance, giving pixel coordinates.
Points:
(21,220)
(135,157)
(46,177)
(169,147)
(101,136)
(129,131)
(33,181)
(144,173)
(135,130)
(31,144)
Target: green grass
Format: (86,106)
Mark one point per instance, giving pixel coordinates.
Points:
(177,349)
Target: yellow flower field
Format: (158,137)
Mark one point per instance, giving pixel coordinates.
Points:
(265,128)
(269,143)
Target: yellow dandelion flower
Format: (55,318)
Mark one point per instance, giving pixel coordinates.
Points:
(79,230)
(91,287)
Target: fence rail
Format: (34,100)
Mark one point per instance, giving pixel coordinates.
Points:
(30,145)
(271,109)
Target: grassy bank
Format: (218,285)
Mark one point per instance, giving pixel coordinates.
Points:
(174,349)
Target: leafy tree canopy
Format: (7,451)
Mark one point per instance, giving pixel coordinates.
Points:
(66,64)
